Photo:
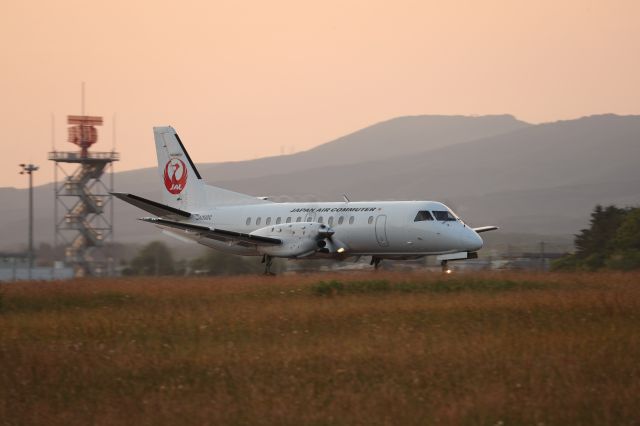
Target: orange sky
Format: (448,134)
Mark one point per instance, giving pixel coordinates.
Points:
(241,80)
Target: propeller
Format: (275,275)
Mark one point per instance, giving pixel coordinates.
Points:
(326,242)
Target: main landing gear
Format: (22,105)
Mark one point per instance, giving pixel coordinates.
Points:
(445,267)
(268,261)
(375,261)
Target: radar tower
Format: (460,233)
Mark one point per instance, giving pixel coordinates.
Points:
(83,203)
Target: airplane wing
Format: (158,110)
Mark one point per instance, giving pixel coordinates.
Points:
(485,229)
(152,207)
(214,233)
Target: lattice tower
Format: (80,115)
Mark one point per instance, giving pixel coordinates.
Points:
(83,203)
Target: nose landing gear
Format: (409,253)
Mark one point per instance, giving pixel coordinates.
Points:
(445,267)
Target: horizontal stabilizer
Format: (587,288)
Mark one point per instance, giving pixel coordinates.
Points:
(152,207)
(215,234)
(485,229)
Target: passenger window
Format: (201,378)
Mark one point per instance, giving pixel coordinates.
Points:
(320,219)
(351,219)
(331,221)
(268,222)
(278,221)
(289,219)
(444,215)
(340,220)
(258,220)
(370,220)
(299,219)
(248,221)
(423,215)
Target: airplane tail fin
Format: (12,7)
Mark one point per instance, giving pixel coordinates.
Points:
(183,187)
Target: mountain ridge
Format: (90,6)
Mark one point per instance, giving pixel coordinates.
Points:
(414,130)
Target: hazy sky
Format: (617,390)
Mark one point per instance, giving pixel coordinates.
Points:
(241,80)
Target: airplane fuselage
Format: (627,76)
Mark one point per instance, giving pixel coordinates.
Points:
(382,228)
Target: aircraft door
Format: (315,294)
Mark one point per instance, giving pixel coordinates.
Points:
(381,230)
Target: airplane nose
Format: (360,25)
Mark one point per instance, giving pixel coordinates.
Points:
(473,240)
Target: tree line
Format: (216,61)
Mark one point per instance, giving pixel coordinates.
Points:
(156,259)
(612,241)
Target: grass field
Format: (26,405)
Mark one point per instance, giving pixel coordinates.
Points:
(485,349)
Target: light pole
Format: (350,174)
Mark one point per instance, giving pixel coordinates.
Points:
(29,169)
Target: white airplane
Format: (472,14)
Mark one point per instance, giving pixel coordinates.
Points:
(254,226)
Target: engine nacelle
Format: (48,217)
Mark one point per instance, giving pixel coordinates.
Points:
(299,239)
(331,246)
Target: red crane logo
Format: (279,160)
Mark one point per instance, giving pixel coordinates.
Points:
(175,176)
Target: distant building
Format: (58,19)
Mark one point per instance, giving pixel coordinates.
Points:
(15,267)
(527,261)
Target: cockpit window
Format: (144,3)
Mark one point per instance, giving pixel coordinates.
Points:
(444,215)
(423,215)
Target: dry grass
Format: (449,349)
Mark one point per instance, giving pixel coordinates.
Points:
(482,349)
